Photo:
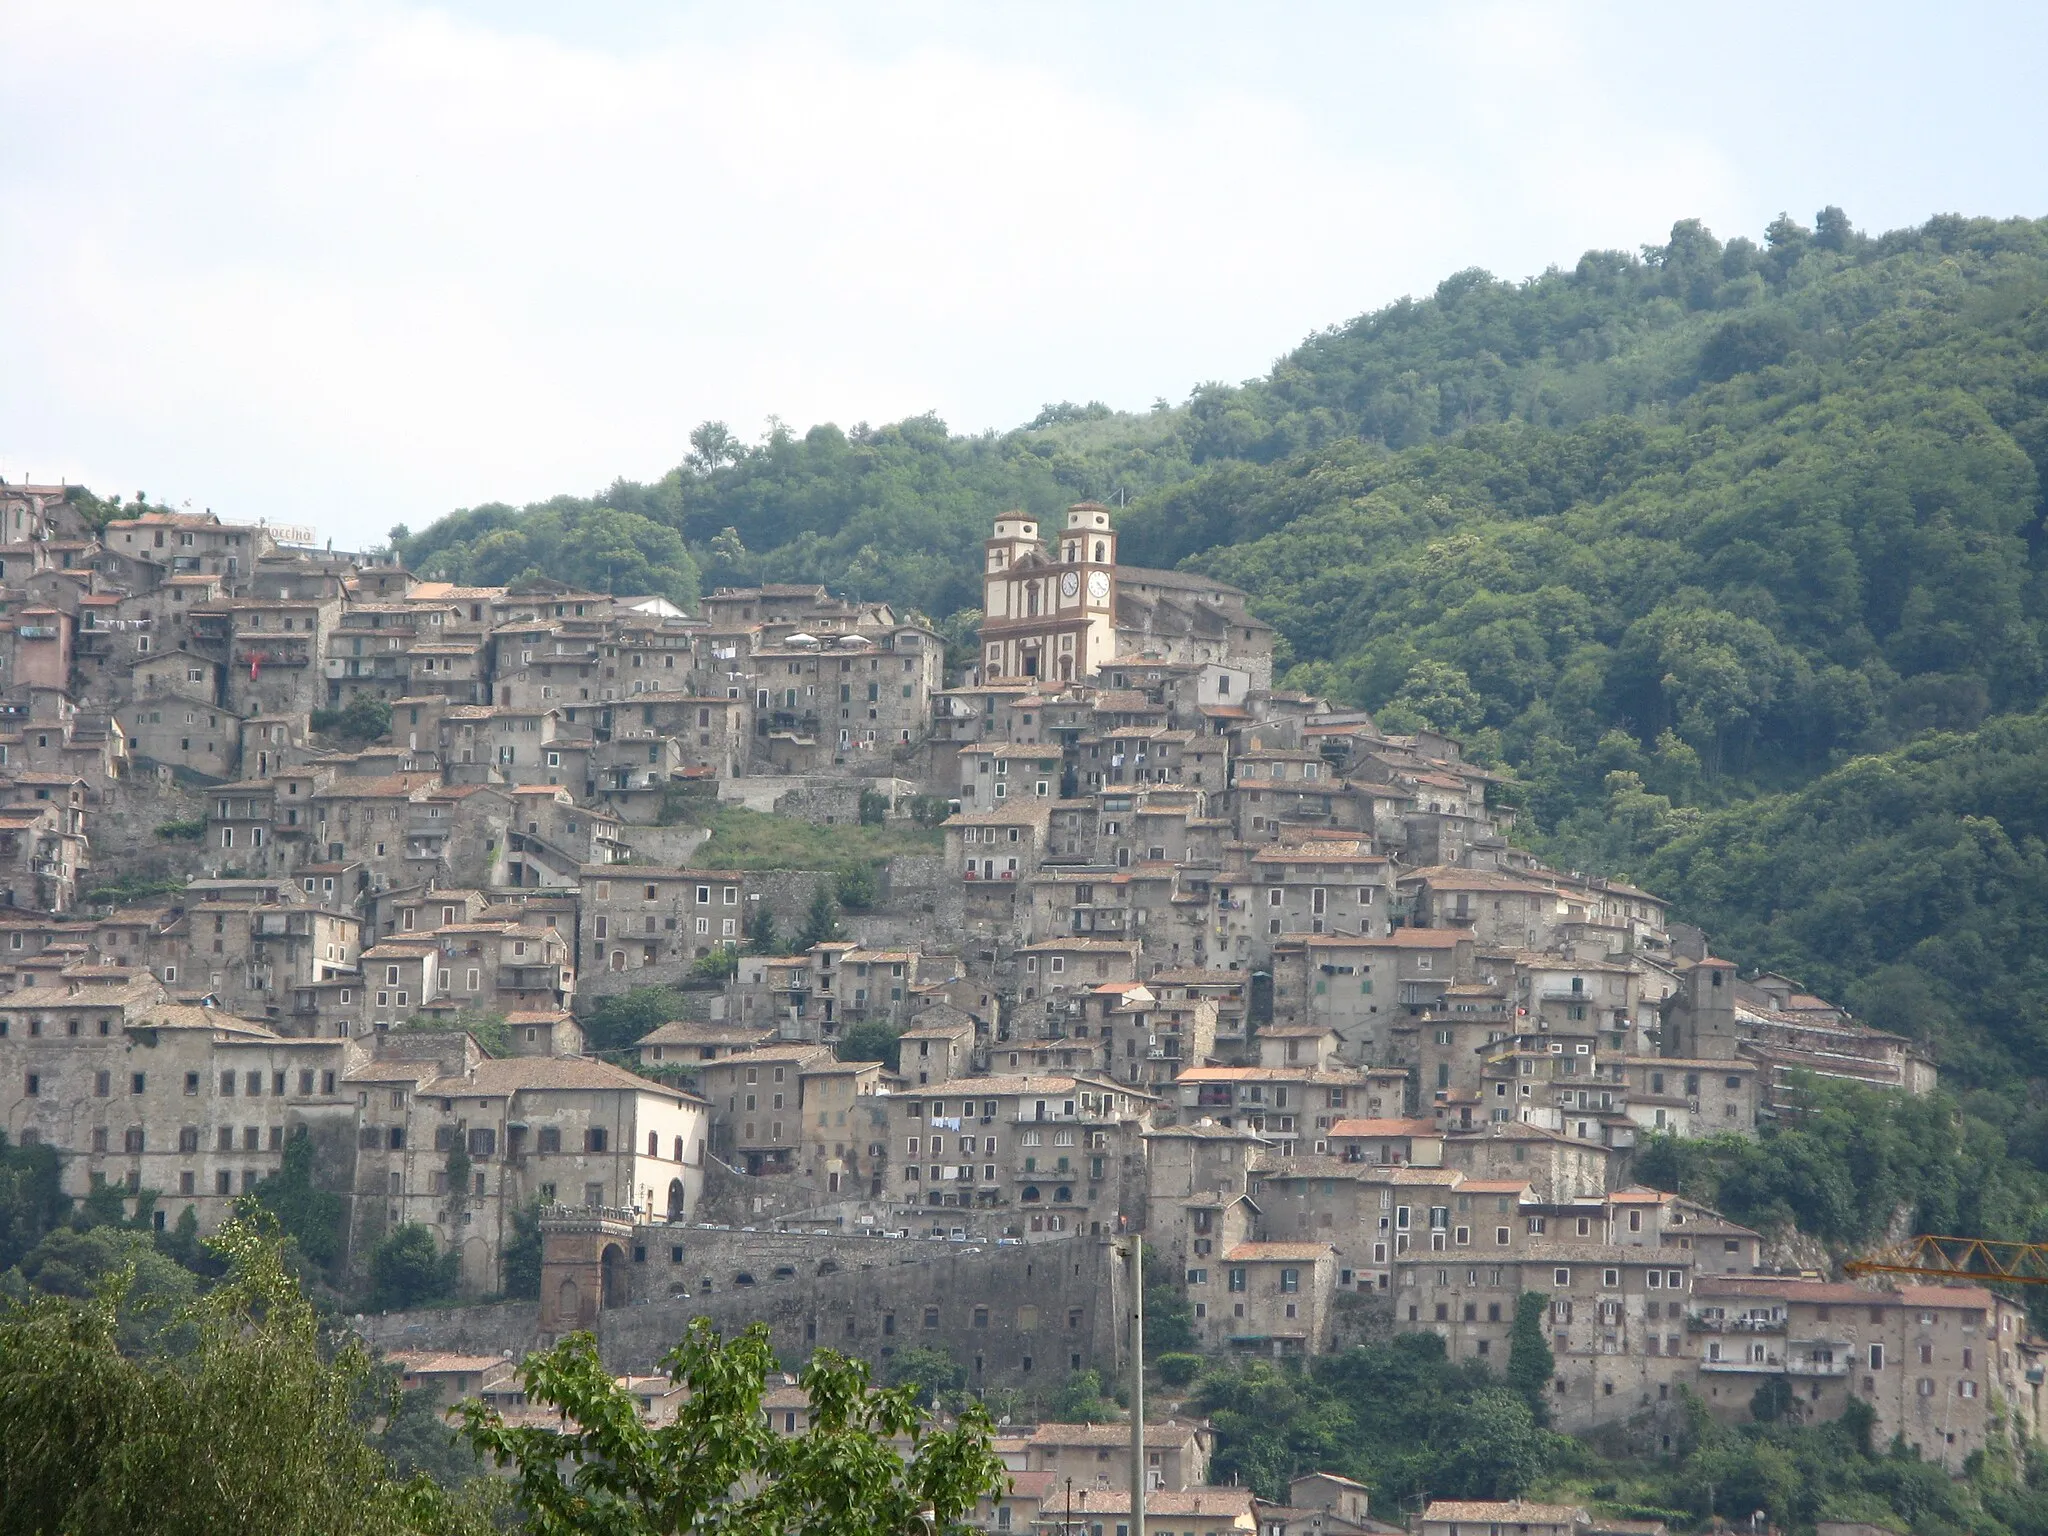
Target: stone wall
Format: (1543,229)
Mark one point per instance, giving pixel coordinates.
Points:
(505,1327)
(1015,1318)
(823,801)
(122,825)
(671,846)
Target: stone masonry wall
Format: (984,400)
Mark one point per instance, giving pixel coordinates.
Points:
(122,824)
(1013,1317)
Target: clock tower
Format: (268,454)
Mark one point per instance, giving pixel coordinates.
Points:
(1050,612)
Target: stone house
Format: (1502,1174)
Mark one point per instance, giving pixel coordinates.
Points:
(1514,1517)
(1274,1298)
(1046,1154)
(938,1047)
(552,1129)
(637,915)
(141,1092)
(1177,1454)
(41,858)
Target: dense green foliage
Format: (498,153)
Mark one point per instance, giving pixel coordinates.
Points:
(1405,1421)
(252,1428)
(364,718)
(625,542)
(872,1040)
(1852,1159)
(1398,1416)
(408,1269)
(523,1254)
(615,1022)
(314,1218)
(1913,884)
(32,1198)
(719,1466)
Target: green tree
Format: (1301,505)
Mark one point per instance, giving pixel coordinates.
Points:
(718,1466)
(617,1021)
(522,1256)
(856,887)
(408,1270)
(365,718)
(716,964)
(821,922)
(1530,1361)
(872,1040)
(1169,1319)
(761,936)
(934,1374)
(251,1431)
(1497,1449)
(712,446)
(314,1218)
(32,1198)
(152,1287)
(1080,1399)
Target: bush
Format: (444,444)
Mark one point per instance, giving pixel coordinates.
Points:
(362,720)
(617,1021)
(182,831)
(871,1040)
(1178,1370)
(857,888)
(716,964)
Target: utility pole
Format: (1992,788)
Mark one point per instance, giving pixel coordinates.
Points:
(1137,1385)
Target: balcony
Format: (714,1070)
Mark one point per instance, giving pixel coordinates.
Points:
(1698,1323)
(1801,1365)
(1770,1362)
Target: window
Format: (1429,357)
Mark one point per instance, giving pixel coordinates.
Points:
(594,1140)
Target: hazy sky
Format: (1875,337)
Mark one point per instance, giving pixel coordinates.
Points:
(359,264)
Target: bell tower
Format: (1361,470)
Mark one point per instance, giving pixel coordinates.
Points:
(1088,552)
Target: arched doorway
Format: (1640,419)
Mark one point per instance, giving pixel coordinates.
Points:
(567,1302)
(614,1265)
(675,1199)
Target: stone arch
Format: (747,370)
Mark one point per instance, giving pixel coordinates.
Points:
(675,1199)
(582,1266)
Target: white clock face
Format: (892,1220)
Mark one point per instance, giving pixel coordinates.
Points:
(1098,585)
(1070,583)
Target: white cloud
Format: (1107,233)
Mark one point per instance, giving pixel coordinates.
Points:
(357,266)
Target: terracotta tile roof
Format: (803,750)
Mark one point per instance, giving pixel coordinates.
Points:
(1278,1253)
(1502,1512)
(1385,1128)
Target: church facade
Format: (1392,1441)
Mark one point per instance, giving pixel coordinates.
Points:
(1062,609)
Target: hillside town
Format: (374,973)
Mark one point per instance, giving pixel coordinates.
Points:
(1182,954)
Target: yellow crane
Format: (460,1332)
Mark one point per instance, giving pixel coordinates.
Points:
(1959,1258)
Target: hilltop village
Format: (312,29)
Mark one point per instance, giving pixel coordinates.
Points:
(1183,954)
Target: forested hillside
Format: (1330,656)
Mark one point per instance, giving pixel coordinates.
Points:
(1662,532)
